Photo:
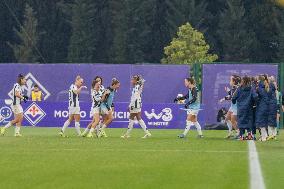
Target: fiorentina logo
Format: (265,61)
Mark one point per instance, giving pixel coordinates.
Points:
(34,114)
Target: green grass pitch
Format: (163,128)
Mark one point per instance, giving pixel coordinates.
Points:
(41,159)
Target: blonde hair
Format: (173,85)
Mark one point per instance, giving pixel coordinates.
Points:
(78,77)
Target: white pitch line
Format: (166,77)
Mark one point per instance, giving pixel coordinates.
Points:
(256,178)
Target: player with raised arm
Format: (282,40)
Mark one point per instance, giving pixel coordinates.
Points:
(192,107)
(16,106)
(107,106)
(96,94)
(135,107)
(231,117)
(74,106)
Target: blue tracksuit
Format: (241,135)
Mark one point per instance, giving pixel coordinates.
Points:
(262,106)
(272,112)
(108,103)
(245,97)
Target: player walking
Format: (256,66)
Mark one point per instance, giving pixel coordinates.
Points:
(107,106)
(135,107)
(192,106)
(231,117)
(74,106)
(17,109)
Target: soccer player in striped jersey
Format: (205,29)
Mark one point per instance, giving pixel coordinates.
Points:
(107,106)
(74,106)
(16,107)
(192,105)
(135,107)
(95,110)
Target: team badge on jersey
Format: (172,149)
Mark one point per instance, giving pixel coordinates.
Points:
(34,114)
(27,89)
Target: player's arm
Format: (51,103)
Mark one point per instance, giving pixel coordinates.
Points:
(235,96)
(104,96)
(18,94)
(78,91)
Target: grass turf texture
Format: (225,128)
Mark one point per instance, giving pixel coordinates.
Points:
(41,159)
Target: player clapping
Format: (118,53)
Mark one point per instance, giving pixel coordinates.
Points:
(135,106)
(74,106)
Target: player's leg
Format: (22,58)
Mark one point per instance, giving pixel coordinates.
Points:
(143,125)
(197,125)
(11,123)
(77,118)
(17,109)
(95,123)
(187,127)
(86,131)
(229,124)
(66,124)
(106,121)
(130,125)
(19,124)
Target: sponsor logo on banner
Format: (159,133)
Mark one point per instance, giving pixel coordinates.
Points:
(34,114)
(31,81)
(5,113)
(161,119)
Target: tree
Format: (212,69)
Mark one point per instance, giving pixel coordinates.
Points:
(27,51)
(83,40)
(234,33)
(188,47)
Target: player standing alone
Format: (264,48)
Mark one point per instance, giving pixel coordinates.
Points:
(74,106)
(192,106)
(16,106)
(135,106)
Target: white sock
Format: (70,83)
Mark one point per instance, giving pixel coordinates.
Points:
(8,125)
(103,126)
(92,130)
(229,125)
(187,128)
(270,131)
(17,129)
(77,127)
(275,131)
(263,133)
(66,124)
(86,131)
(143,125)
(198,127)
(130,126)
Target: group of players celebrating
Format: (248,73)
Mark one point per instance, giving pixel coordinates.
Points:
(255,105)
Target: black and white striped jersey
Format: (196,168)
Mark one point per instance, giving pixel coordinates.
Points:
(17,88)
(136,96)
(96,98)
(73,97)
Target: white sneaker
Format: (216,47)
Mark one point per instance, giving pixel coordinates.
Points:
(147,135)
(125,136)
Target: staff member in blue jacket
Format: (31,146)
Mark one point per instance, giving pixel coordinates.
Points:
(262,106)
(245,97)
(272,113)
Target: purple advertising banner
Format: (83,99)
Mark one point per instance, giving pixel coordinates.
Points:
(217,76)
(163,82)
(54,114)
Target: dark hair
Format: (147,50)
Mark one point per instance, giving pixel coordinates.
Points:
(264,79)
(94,82)
(191,80)
(36,86)
(246,81)
(236,79)
(20,77)
(99,77)
(114,81)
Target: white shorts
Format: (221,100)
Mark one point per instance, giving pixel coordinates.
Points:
(74,110)
(192,112)
(234,111)
(95,111)
(135,110)
(17,109)
(104,111)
